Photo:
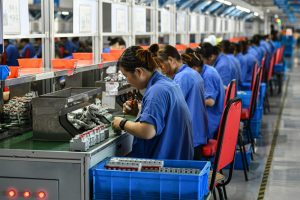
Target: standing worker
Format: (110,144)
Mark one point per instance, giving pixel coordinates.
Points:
(11,54)
(28,50)
(192,87)
(163,129)
(213,90)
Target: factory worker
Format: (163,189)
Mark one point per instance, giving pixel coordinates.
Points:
(213,90)
(211,56)
(68,48)
(163,128)
(228,49)
(250,59)
(39,52)
(116,43)
(28,50)
(192,86)
(255,49)
(11,54)
(241,52)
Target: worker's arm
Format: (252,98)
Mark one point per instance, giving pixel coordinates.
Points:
(138,129)
(209,102)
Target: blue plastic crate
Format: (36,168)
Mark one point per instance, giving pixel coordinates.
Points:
(113,184)
(258,113)
(4,72)
(279,68)
(255,126)
(238,163)
(246,98)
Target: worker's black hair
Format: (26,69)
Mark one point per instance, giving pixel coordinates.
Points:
(134,57)
(255,40)
(192,59)
(227,47)
(163,52)
(26,40)
(243,46)
(207,50)
(116,40)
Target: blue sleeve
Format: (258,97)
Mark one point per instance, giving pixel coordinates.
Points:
(224,73)
(22,53)
(8,53)
(210,90)
(154,113)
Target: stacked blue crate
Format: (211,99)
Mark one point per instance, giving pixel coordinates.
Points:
(136,185)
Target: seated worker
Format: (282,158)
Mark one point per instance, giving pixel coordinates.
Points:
(251,60)
(68,48)
(212,56)
(192,87)
(11,54)
(228,49)
(213,90)
(39,52)
(163,130)
(241,56)
(28,50)
(115,44)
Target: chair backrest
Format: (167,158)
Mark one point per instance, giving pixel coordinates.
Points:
(263,60)
(227,137)
(230,91)
(271,67)
(255,92)
(254,72)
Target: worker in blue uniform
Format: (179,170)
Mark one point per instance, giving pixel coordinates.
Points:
(241,52)
(212,56)
(228,49)
(11,54)
(250,59)
(39,52)
(192,86)
(163,129)
(213,90)
(115,44)
(28,50)
(68,48)
(256,50)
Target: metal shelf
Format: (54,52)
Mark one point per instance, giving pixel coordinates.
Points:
(55,73)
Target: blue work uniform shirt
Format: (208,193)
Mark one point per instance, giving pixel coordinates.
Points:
(28,51)
(106,50)
(192,87)
(68,45)
(12,55)
(214,89)
(244,66)
(237,66)
(164,107)
(225,69)
(251,62)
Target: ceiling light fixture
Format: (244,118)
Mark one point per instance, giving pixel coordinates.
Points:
(228,3)
(243,9)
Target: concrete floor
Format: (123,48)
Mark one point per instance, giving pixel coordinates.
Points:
(284,177)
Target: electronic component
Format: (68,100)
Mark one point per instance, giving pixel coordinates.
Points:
(84,141)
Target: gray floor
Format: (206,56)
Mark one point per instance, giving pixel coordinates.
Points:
(284,178)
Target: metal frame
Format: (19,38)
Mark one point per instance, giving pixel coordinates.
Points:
(115,146)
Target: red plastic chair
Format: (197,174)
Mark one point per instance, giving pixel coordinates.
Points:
(254,72)
(247,113)
(230,91)
(210,149)
(226,145)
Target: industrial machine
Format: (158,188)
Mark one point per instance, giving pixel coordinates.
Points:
(53,160)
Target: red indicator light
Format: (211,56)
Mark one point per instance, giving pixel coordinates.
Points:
(11,193)
(41,195)
(26,194)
